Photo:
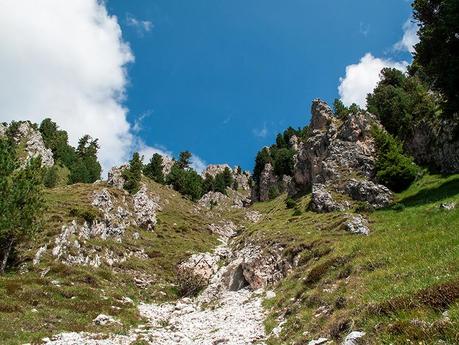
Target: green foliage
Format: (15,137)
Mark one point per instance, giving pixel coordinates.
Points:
(86,168)
(290,203)
(283,161)
(87,214)
(436,58)
(208,185)
(154,169)
(51,176)
(400,102)
(133,174)
(186,181)
(184,160)
(341,111)
(220,184)
(21,200)
(57,140)
(393,168)
(263,157)
(228,177)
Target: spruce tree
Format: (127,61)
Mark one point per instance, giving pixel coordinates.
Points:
(133,174)
(21,200)
(154,169)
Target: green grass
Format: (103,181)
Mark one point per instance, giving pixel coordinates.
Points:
(410,262)
(85,292)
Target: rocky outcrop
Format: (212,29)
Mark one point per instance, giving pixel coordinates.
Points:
(145,209)
(376,195)
(337,158)
(220,201)
(224,228)
(268,181)
(168,162)
(33,143)
(115,176)
(322,200)
(241,178)
(435,144)
(203,266)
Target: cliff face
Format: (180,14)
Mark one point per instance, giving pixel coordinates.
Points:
(337,157)
(436,145)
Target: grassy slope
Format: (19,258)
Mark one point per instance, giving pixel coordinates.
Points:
(85,292)
(407,269)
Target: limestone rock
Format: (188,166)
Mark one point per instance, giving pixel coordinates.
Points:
(145,209)
(104,320)
(203,266)
(224,229)
(268,180)
(318,341)
(448,206)
(364,190)
(321,114)
(253,216)
(434,143)
(353,338)
(357,224)
(115,176)
(33,143)
(322,200)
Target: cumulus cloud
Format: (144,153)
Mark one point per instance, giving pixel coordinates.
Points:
(362,78)
(142,26)
(410,37)
(66,60)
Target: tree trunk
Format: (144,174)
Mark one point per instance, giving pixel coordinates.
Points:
(6,254)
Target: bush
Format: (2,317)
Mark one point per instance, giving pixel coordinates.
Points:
(364,206)
(88,214)
(186,181)
(398,207)
(189,284)
(297,212)
(393,168)
(154,169)
(290,203)
(50,178)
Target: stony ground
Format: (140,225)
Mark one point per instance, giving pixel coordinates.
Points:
(217,316)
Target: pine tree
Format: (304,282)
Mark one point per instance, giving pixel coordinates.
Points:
(133,174)
(154,169)
(228,177)
(184,160)
(21,200)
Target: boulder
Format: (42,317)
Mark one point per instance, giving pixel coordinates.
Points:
(448,206)
(322,200)
(356,224)
(202,266)
(376,195)
(353,338)
(268,181)
(105,320)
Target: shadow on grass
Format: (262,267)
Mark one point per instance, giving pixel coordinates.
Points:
(433,194)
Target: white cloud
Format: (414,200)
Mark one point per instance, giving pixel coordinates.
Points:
(362,78)
(410,37)
(142,26)
(66,60)
(198,164)
(260,132)
(148,151)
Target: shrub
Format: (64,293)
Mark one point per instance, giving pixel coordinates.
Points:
(186,181)
(398,207)
(364,206)
(297,212)
(290,203)
(50,178)
(393,168)
(189,284)
(88,214)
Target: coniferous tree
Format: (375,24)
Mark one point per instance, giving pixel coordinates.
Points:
(133,174)
(154,169)
(208,183)
(21,200)
(228,177)
(184,160)
(220,184)
(86,167)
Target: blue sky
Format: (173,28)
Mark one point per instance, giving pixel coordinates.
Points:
(221,78)
(216,77)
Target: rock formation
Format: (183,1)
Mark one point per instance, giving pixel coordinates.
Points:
(33,143)
(337,158)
